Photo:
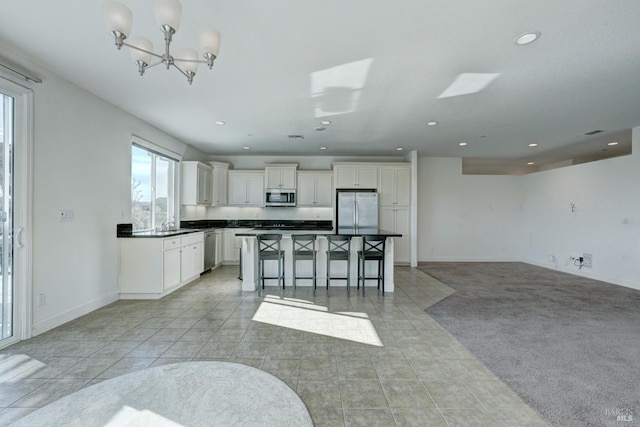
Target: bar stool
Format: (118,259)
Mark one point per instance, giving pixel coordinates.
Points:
(372,250)
(269,250)
(338,249)
(304,249)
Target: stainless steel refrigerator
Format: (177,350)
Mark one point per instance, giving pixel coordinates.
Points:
(357,209)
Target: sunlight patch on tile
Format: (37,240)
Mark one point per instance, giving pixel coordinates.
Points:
(309,317)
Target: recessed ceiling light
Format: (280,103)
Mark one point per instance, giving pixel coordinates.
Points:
(533,145)
(399,149)
(323,148)
(432,123)
(527,38)
(220,122)
(246,148)
(462,144)
(613,143)
(325,122)
(531,163)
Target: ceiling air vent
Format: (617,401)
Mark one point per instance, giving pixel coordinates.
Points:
(295,136)
(593,132)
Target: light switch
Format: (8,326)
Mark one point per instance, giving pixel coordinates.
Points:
(65,215)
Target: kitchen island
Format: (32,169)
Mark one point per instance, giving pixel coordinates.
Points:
(250,280)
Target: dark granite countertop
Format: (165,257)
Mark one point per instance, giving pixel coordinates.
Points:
(192,226)
(357,232)
(161,234)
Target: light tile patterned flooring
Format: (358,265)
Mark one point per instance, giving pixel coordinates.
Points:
(418,376)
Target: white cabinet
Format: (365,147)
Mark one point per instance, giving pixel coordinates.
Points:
(397,220)
(233,244)
(153,267)
(315,189)
(196,183)
(172,261)
(219,247)
(219,183)
(356,176)
(246,188)
(394,186)
(280,176)
(191,258)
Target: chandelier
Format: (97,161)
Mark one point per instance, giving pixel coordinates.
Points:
(168,12)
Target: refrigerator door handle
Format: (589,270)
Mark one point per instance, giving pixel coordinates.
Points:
(355,213)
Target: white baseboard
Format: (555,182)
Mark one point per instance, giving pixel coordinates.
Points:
(69,315)
(585,272)
(469,259)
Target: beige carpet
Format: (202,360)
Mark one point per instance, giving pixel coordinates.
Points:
(180,394)
(566,344)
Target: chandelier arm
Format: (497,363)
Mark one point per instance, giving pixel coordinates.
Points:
(184,73)
(141,50)
(188,74)
(153,65)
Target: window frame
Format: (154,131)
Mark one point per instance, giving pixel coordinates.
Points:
(157,151)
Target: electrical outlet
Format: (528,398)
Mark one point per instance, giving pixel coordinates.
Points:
(587,260)
(41,299)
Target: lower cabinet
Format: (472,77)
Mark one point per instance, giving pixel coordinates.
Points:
(233,244)
(398,220)
(153,267)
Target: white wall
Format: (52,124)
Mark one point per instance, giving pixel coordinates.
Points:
(528,218)
(81,162)
(605,193)
(465,217)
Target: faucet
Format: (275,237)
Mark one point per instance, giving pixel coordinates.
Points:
(168,224)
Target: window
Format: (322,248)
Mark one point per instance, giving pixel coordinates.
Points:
(154,180)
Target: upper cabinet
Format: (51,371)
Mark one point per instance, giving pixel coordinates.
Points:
(315,189)
(219,187)
(280,176)
(246,188)
(394,185)
(358,176)
(196,183)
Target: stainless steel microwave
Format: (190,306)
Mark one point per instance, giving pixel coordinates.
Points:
(280,197)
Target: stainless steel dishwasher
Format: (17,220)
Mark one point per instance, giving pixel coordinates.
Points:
(209,249)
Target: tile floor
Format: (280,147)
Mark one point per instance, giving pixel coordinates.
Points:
(354,361)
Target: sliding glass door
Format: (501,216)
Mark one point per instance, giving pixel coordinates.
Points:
(7,231)
(16,103)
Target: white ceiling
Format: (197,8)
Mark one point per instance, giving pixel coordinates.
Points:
(374,68)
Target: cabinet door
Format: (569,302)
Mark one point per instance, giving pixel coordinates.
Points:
(204,186)
(237,189)
(171,268)
(387,187)
(219,196)
(272,178)
(255,190)
(367,178)
(346,177)
(402,245)
(219,247)
(306,190)
(403,186)
(324,191)
(230,253)
(288,177)
(192,261)
(397,220)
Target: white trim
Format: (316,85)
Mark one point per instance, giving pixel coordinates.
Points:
(586,273)
(413,242)
(23,206)
(158,149)
(74,313)
(470,259)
